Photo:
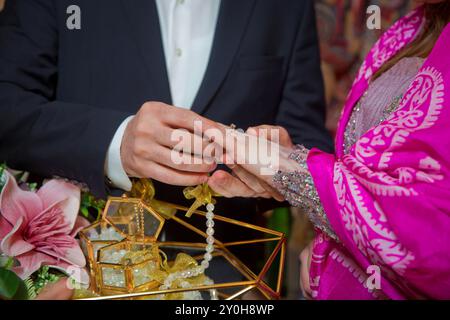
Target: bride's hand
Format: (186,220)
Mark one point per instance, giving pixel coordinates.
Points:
(305,266)
(247,180)
(272,133)
(230,185)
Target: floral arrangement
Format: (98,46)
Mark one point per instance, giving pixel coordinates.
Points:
(39,251)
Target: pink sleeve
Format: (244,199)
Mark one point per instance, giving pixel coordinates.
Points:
(388,201)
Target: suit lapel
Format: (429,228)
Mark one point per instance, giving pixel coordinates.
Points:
(142,16)
(231,25)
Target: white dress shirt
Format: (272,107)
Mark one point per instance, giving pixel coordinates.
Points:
(187,30)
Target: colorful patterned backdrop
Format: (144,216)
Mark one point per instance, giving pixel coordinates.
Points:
(345,40)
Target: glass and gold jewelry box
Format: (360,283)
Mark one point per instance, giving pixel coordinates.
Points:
(131,257)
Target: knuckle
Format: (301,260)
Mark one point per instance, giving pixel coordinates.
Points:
(162,109)
(183,120)
(149,106)
(140,127)
(159,153)
(135,165)
(135,146)
(201,179)
(140,151)
(151,129)
(189,117)
(283,131)
(145,108)
(139,148)
(132,161)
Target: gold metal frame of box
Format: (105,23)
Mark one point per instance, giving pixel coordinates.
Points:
(252,281)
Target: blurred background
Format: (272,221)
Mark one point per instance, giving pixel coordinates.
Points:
(344,42)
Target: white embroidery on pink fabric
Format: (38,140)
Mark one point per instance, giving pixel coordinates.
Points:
(367,166)
(394,39)
(400,34)
(368,226)
(315,282)
(379,183)
(365,72)
(317,258)
(432,170)
(428,163)
(354,269)
(419,109)
(394,254)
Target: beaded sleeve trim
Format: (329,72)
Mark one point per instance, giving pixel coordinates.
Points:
(298,188)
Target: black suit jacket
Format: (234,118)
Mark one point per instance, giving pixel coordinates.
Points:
(63,93)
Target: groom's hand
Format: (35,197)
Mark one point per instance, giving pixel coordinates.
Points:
(148,145)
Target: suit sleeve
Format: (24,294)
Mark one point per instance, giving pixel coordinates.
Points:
(302,108)
(39,133)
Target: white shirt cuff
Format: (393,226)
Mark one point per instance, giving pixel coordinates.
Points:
(113,164)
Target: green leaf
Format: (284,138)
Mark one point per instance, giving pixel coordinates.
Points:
(11,286)
(31,289)
(6,262)
(90,205)
(22,292)
(32,186)
(2,176)
(99,213)
(85,212)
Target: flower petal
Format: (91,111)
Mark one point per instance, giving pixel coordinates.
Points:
(66,194)
(16,203)
(30,262)
(5,227)
(73,255)
(80,224)
(13,243)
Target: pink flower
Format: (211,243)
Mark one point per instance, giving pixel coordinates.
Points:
(39,228)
